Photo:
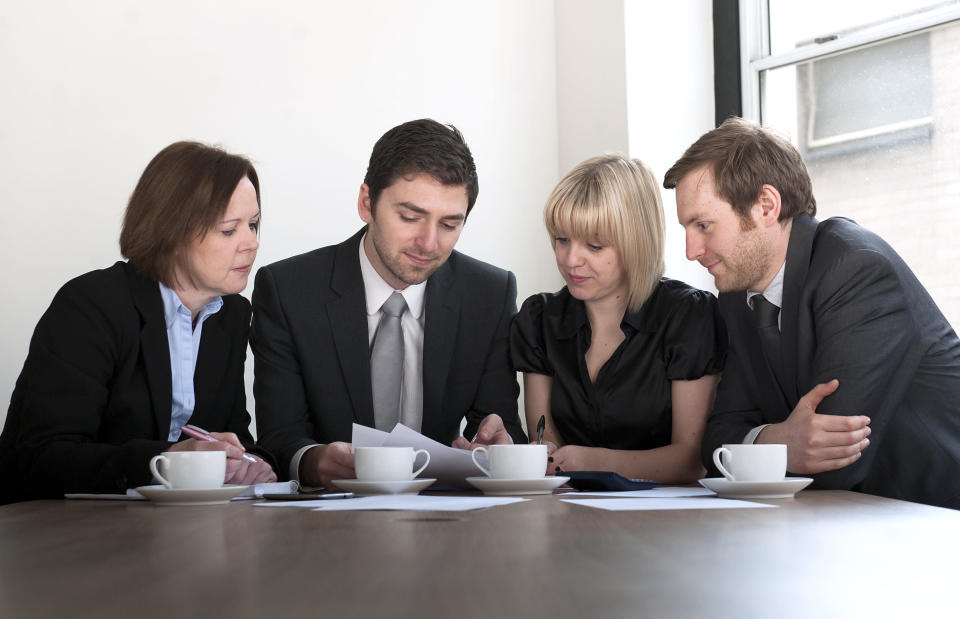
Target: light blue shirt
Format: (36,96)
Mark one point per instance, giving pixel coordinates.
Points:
(184,341)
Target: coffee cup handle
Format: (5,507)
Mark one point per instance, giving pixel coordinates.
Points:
(156,473)
(425,462)
(473,456)
(716,461)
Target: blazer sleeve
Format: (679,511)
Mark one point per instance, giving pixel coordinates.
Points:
(60,402)
(283,420)
(867,338)
(498,391)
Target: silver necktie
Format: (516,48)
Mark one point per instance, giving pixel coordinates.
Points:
(386,363)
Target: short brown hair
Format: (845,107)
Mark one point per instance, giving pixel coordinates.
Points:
(422,147)
(615,200)
(743,157)
(182,193)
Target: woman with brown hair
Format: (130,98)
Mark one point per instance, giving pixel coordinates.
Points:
(125,356)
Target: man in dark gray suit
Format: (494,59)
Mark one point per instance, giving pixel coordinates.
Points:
(832,337)
(332,328)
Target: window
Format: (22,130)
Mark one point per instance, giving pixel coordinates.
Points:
(870,93)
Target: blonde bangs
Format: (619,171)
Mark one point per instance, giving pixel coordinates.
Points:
(613,201)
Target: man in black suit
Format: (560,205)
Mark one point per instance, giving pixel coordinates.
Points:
(318,316)
(832,337)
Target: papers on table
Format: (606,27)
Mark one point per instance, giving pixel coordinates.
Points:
(131,495)
(660,492)
(404,502)
(619,505)
(255,491)
(449,465)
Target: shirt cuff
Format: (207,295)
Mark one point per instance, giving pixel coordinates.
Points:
(295,462)
(749,439)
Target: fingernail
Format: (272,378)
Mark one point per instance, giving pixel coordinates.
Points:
(550,459)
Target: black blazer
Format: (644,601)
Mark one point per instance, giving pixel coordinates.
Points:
(854,311)
(312,357)
(92,404)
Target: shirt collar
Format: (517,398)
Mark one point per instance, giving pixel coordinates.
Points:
(172,306)
(377,291)
(773,292)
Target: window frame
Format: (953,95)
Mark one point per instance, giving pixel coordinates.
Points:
(755,56)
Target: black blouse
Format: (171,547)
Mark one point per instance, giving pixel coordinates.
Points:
(677,334)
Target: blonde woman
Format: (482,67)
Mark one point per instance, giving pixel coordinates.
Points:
(622,362)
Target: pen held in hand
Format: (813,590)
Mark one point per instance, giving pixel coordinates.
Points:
(202,435)
(540,426)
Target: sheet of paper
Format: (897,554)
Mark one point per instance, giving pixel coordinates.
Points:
(619,505)
(131,495)
(365,436)
(449,465)
(404,502)
(660,492)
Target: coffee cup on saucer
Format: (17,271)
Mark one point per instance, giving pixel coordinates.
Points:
(190,470)
(386,464)
(765,462)
(513,461)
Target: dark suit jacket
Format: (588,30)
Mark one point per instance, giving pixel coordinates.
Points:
(312,356)
(92,404)
(854,311)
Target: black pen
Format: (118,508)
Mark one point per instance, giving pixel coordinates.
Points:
(540,425)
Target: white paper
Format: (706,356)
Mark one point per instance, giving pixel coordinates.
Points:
(417,503)
(660,492)
(449,465)
(131,495)
(405,502)
(619,505)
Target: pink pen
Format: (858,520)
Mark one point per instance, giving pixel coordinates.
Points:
(202,435)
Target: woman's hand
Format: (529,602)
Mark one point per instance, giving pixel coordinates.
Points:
(239,471)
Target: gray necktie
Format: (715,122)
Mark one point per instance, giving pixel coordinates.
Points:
(386,363)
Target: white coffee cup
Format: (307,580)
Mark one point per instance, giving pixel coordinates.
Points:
(387,463)
(757,462)
(513,461)
(190,469)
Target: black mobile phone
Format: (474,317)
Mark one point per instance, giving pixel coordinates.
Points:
(605,480)
(308,496)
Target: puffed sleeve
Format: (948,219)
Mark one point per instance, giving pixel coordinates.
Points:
(695,338)
(527,351)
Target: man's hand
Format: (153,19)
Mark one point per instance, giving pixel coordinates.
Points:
(324,463)
(490,432)
(816,442)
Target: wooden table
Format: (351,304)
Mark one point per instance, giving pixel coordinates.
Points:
(823,554)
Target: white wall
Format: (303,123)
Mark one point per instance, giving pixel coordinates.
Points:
(669,51)
(91,91)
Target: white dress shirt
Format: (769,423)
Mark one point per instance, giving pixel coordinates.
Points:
(376,291)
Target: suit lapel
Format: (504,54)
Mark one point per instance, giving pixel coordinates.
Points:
(155,348)
(348,324)
(799,250)
(442,314)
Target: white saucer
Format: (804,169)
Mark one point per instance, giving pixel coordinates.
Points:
(413,486)
(200,496)
(756,489)
(513,487)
